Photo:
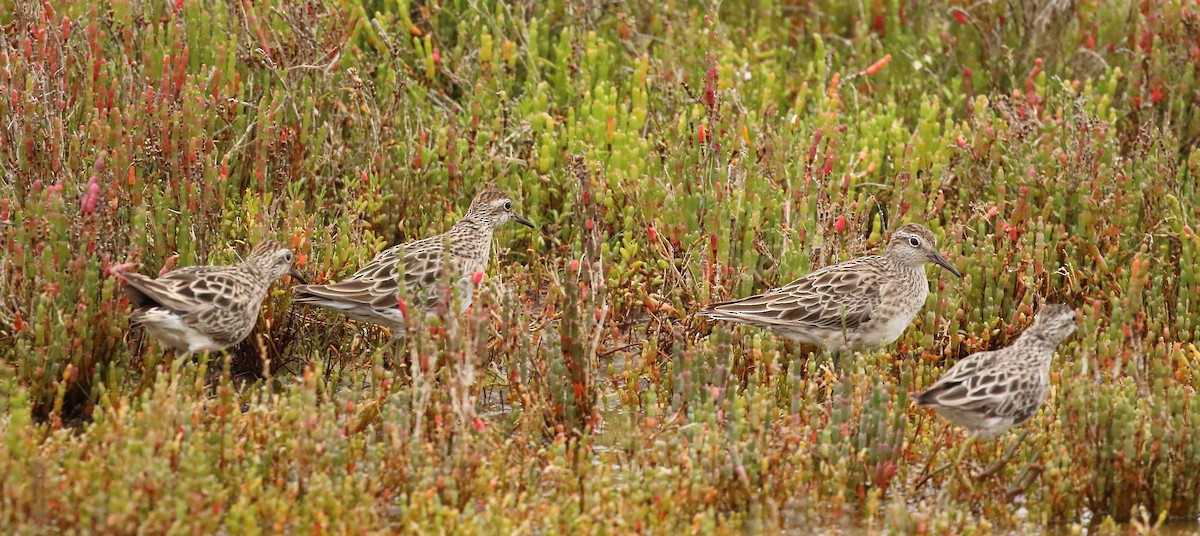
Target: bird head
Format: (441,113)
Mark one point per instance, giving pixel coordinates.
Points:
(273,260)
(914,245)
(495,208)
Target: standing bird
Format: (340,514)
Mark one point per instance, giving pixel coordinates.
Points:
(987,393)
(207,308)
(372,293)
(862,303)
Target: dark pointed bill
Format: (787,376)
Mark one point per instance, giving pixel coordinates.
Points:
(521,220)
(941,261)
(296,275)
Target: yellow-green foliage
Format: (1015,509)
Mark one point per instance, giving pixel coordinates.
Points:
(671,155)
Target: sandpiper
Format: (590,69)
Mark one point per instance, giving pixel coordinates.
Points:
(206,308)
(987,393)
(863,303)
(372,293)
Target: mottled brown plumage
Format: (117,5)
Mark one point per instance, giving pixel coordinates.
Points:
(372,293)
(206,308)
(865,302)
(987,393)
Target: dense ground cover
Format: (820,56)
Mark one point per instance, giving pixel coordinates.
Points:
(671,155)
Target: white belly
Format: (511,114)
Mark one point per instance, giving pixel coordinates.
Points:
(170,330)
(900,315)
(891,330)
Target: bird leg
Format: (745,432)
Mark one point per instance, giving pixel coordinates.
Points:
(957,462)
(1032,471)
(150,367)
(838,359)
(176,362)
(201,370)
(1008,455)
(926,473)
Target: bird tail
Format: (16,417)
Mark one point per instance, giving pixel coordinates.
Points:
(711,312)
(318,295)
(306,294)
(930,396)
(140,289)
(721,310)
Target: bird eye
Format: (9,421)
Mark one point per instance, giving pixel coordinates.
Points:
(508,205)
(287,256)
(914,242)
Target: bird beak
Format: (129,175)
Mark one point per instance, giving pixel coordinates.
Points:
(521,220)
(296,275)
(941,261)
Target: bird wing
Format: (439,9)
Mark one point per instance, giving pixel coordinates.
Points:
(208,298)
(376,285)
(839,297)
(978,383)
(176,291)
